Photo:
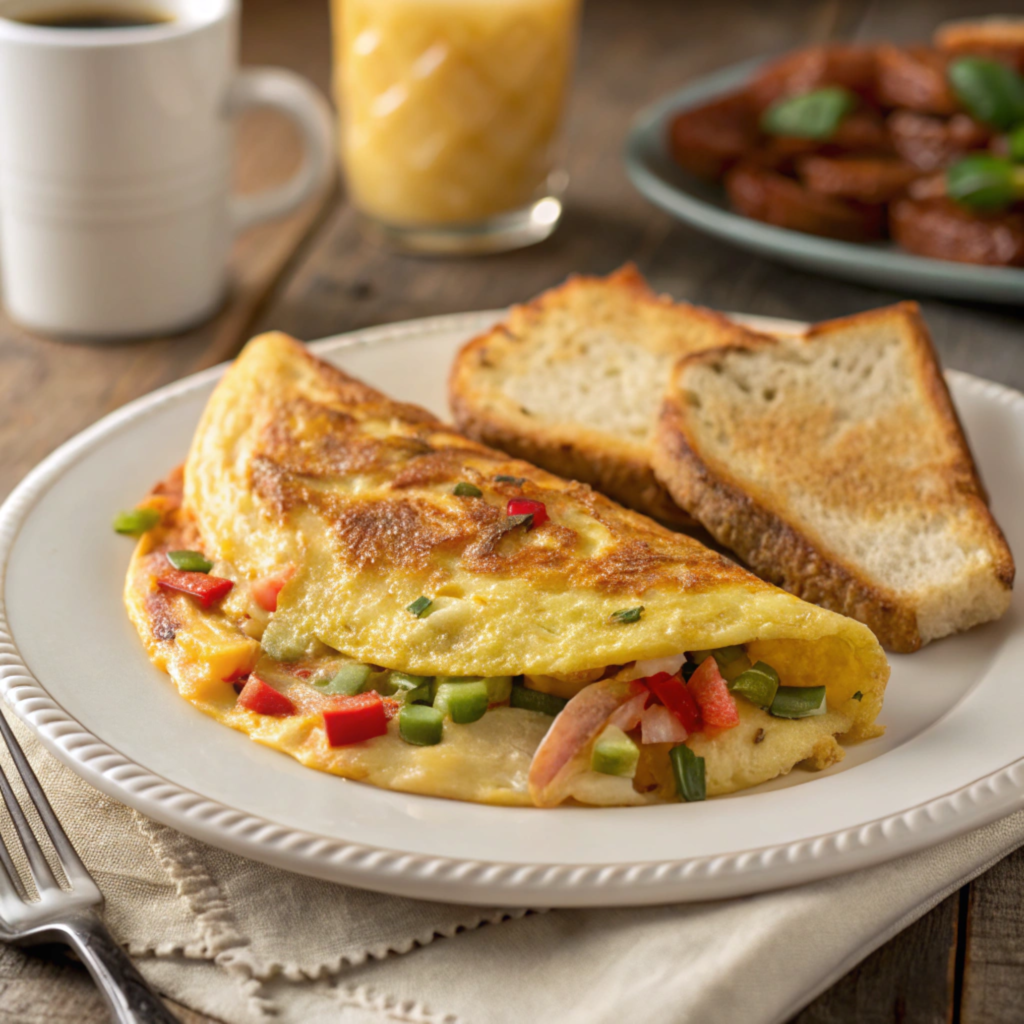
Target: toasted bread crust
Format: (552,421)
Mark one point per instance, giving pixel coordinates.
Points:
(613,465)
(770,546)
(760,533)
(617,473)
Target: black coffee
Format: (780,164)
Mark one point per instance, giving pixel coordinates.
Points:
(98,17)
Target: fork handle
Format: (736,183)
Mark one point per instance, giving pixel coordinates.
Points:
(128,994)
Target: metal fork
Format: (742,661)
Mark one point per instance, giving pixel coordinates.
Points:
(69,916)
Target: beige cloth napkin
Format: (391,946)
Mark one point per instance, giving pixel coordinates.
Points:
(249,943)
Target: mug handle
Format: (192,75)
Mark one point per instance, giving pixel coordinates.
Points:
(294,97)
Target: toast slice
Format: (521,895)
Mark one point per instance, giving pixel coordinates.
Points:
(573,382)
(835,466)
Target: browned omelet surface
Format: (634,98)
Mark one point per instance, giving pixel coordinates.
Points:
(295,463)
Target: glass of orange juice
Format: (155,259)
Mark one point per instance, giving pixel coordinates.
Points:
(451,113)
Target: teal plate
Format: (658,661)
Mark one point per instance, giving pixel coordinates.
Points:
(703,205)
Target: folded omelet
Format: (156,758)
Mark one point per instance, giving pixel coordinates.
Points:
(347,579)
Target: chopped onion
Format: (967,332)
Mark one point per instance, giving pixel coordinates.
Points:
(659,725)
(672,664)
(627,716)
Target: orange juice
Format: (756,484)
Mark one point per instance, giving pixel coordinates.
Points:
(450,108)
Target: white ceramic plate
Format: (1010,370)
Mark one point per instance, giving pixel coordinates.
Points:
(72,667)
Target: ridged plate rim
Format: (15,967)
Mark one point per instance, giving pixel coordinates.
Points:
(975,804)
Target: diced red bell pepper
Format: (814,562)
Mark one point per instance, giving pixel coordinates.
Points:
(672,692)
(266,588)
(239,675)
(354,719)
(528,507)
(717,704)
(262,698)
(206,589)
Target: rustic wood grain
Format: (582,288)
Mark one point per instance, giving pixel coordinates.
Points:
(909,980)
(335,281)
(993,982)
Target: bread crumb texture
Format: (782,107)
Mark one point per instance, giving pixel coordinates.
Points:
(849,438)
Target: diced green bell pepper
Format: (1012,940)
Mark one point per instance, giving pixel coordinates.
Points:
(136,521)
(348,680)
(189,561)
(463,702)
(420,725)
(614,753)
(758,684)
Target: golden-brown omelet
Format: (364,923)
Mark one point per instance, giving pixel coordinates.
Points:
(297,472)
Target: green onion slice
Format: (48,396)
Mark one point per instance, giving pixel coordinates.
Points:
(533,700)
(758,684)
(420,725)
(136,521)
(465,490)
(403,682)
(189,561)
(798,702)
(422,694)
(462,702)
(498,687)
(614,753)
(420,607)
(348,680)
(688,769)
(627,615)
(814,115)
(517,480)
(991,91)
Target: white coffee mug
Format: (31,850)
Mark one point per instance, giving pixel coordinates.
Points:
(115,162)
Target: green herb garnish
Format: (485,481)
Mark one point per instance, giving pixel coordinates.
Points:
(465,490)
(628,614)
(984,182)
(858,695)
(814,115)
(189,561)
(517,480)
(137,521)
(420,607)
(1015,142)
(991,91)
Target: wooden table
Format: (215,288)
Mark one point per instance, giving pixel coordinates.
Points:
(313,275)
